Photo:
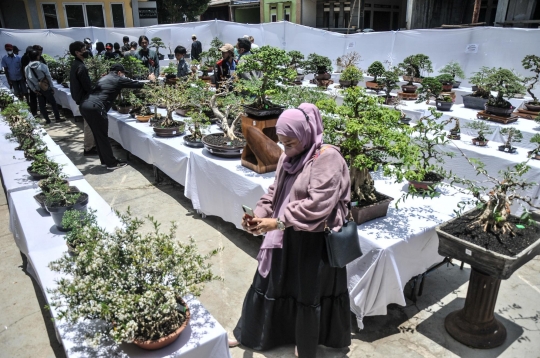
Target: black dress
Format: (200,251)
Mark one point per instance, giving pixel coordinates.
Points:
(302,301)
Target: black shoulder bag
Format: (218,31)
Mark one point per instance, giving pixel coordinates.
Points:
(343,246)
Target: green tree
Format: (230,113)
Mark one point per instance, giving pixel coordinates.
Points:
(173,11)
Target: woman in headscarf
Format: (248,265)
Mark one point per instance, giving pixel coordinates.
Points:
(296,297)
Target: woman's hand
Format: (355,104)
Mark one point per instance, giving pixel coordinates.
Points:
(247,223)
(263,225)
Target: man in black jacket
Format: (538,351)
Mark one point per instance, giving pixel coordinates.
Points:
(95,109)
(81,87)
(196,48)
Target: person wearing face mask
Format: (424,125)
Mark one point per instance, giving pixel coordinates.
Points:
(148,56)
(126,47)
(14,73)
(88,44)
(296,296)
(225,67)
(244,49)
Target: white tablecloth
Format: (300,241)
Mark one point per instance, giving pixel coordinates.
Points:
(62,96)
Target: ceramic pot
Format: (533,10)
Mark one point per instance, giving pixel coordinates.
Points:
(443,106)
(532,107)
(474,102)
(409,88)
(503,112)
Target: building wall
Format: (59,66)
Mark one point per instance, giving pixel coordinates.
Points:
(280,10)
(34,8)
(309,13)
(14,14)
(250,15)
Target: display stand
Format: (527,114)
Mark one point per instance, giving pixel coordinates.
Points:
(523,113)
(407,96)
(449,94)
(494,118)
(261,153)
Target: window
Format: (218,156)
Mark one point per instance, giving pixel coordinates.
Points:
(273,13)
(287,15)
(51,18)
(274,18)
(118,15)
(84,15)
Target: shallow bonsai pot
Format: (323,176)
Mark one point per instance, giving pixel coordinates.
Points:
(124,110)
(494,264)
(532,107)
(373,211)
(533,155)
(456,84)
(474,102)
(503,112)
(323,76)
(57,212)
(161,57)
(189,142)
(480,143)
(171,56)
(344,84)
(405,120)
(36,176)
(183,111)
(265,112)
(409,88)
(222,151)
(143,119)
(448,87)
(373,86)
(167,340)
(504,148)
(170,132)
(443,106)
(425,184)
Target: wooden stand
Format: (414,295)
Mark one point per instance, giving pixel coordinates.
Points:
(523,113)
(450,94)
(266,124)
(261,153)
(494,118)
(407,96)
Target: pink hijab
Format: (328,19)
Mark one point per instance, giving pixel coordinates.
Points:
(305,124)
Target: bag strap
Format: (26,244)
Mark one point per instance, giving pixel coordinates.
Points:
(35,74)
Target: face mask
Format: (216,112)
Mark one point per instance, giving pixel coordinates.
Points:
(10,52)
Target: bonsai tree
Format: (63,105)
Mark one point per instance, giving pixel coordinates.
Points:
(83,229)
(5,98)
(513,135)
(228,109)
(455,132)
(353,74)
(43,166)
(414,66)
(97,67)
(480,80)
(388,81)
(134,68)
(170,71)
(376,69)
(481,128)
(431,88)
(507,84)
(445,79)
(454,69)
(273,64)
(350,59)
(58,193)
(297,59)
(369,136)
(196,123)
(317,64)
(536,151)
(126,98)
(168,97)
(532,63)
(294,96)
(157,43)
(210,57)
(137,284)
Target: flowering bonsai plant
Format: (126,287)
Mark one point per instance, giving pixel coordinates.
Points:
(532,63)
(133,282)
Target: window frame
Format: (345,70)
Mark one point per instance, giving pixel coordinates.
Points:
(85,15)
(123,14)
(43,14)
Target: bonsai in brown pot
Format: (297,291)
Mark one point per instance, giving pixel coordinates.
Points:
(481,128)
(454,69)
(320,66)
(494,242)
(376,69)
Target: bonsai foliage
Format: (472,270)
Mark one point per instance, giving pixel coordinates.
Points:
(196,123)
(5,98)
(507,84)
(126,98)
(352,73)
(429,137)
(131,281)
(64,66)
(297,59)
(376,69)
(273,63)
(317,64)
(513,135)
(44,166)
(535,140)
(97,67)
(157,43)
(480,80)
(170,70)
(58,193)
(213,55)
(350,59)
(82,228)
(389,80)
(415,65)
(532,63)
(294,96)
(134,68)
(24,129)
(481,128)
(369,136)
(454,69)
(431,88)
(445,79)
(169,97)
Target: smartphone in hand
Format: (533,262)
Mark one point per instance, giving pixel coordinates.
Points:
(249,213)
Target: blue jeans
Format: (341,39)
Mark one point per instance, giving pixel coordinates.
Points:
(44,97)
(19,87)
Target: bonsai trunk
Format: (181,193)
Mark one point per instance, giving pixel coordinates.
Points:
(495,215)
(362,185)
(228,131)
(529,89)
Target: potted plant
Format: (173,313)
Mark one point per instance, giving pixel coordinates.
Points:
(320,66)
(59,198)
(397,103)
(532,63)
(42,167)
(387,81)
(170,73)
(273,65)
(444,102)
(350,77)
(168,97)
(507,84)
(513,135)
(138,283)
(125,101)
(369,136)
(454,69)
(481,89)
(134,68)
(5,98)
(535,153)
(447,82)
(455,132)
(376,69)
(481,128)
(494,242)
(429,136)
(157,43)
(196,123)
(297,61)
(82,230)
(170,55)
(431,88)
(412,69)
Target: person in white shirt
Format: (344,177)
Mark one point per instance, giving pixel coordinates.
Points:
(252,40)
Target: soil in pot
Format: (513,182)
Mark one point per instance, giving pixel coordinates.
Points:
(509,243)
(506,149)
(193,143)
(532,107)
(57,212)
(409,88)
(36,176)
(222,146)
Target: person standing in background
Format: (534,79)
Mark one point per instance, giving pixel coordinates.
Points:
(88,44)
(126,46)
(183,68)
(109,54)
(39,49)
(196,48)
(252,40)
(25,60)
(100,49)
(117,52)
(81,87)
(148,56)
(37,72)
(14,73)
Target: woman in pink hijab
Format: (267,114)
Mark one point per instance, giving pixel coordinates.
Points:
(296,297)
